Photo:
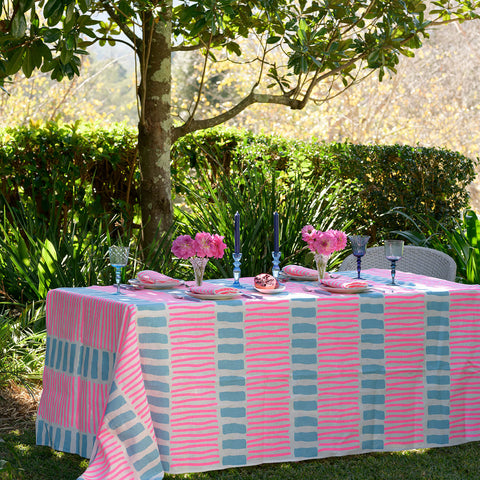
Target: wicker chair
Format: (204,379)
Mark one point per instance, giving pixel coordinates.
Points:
(420,260)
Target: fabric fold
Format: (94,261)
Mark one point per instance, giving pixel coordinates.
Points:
(211,289)
(299,271)
(344,282)
(150,277)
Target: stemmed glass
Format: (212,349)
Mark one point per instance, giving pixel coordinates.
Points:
(359,248)
(118,259)
(393,252)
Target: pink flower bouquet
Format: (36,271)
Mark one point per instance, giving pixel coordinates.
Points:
(323,244)
(204,245)
(198,250)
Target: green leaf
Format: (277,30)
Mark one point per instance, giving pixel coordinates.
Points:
(46,267)
(15,61)
(28,64)
(273,39)
(19,25)
(234,48)
(84,5)
(52,7)
(51,35)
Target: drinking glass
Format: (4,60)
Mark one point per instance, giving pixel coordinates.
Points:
(393,252)
(359,248)
(118,259)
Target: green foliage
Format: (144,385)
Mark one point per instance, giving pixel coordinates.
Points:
(333,37)
(70,192)
(376,178)
(256,193)
(425,181)
(459,239)
(69,167)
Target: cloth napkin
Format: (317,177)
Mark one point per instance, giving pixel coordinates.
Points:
(299,271)
(344,282)
(152,278)
(211,289)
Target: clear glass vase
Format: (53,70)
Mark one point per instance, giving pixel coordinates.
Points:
(321,260)
(199,264)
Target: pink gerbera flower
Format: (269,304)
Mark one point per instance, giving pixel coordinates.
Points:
(183,246)
(341,239)
(307,232)
(218,247)
(324,243)
(203,244)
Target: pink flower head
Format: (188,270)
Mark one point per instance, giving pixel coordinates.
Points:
(203,244)
(341,239)
(307,232)
(324,242)
(218,247)
(183,246)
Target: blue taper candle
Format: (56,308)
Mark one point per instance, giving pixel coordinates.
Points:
(275,232)
(237,233)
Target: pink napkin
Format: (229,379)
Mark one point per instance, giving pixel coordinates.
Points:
(151,277)
(299,271)
(210,289)
(344,282)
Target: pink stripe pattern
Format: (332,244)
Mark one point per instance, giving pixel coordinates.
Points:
(338,374)
(267,364)
(404,363)
(194,424)
(465,363)
(143,383)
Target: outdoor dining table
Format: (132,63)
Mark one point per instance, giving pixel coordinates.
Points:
(144,383)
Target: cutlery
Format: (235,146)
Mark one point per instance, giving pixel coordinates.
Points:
(185,297)
(130,287)
(250,295)
(315,290)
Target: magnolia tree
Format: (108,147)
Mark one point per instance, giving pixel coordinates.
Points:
(322,43)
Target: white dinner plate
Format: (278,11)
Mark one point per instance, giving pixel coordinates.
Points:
(281,288)
(220,296)
(155,286)
(344,290)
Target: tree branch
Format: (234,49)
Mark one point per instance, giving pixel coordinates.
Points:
(117,18)
(250,99)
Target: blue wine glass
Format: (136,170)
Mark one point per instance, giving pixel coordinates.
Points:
(118,259)
(393,252)
(359,248)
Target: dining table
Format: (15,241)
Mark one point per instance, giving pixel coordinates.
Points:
(153,380)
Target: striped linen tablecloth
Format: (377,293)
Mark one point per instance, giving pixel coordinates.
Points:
(143,383)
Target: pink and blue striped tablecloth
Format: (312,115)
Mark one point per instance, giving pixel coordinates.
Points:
(143,383)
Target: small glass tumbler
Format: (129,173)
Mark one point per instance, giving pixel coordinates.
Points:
(359,248)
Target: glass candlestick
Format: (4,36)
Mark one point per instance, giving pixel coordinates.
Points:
(276,264)
(236,269)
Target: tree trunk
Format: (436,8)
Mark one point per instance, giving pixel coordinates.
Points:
(154,128)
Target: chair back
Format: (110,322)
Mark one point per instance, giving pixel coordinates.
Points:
(419,260)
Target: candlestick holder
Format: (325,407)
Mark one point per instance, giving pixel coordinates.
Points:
(236,269)
(276,264)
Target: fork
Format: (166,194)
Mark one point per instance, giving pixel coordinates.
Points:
(185,297)
(315,290)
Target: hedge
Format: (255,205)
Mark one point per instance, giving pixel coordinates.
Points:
(83,166)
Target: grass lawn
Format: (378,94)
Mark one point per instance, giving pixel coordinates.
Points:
(26,461)
(22,459)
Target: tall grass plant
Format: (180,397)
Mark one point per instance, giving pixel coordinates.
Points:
(459,239)
(256,194)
